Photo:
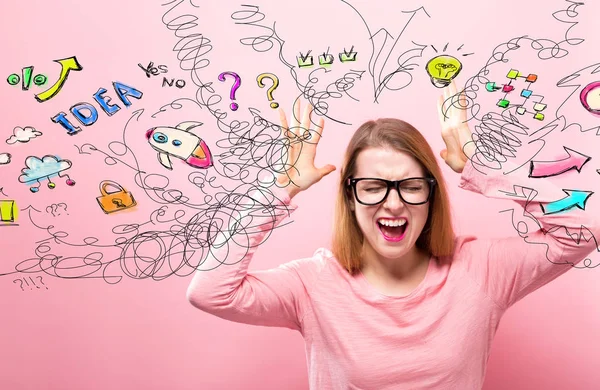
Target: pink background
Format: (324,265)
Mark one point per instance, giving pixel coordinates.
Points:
(139,333)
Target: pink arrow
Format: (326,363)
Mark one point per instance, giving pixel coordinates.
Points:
(575,160)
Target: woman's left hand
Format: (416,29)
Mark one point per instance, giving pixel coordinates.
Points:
(455,129)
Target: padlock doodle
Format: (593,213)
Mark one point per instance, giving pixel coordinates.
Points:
(111,202)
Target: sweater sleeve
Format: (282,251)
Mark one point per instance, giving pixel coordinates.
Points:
(548,242)
(222,285)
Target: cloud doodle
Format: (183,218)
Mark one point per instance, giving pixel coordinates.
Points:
(5,158)
(23,135)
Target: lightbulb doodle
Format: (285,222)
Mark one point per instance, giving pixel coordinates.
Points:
(49,166)
(444,68)
(526,93)
(179,142)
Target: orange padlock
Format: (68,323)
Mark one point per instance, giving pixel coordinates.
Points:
(114,201)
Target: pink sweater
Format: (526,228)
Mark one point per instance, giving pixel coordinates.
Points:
(439,336)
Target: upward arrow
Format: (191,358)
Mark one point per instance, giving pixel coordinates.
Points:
(574,198)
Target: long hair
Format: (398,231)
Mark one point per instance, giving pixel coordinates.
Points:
(437,237)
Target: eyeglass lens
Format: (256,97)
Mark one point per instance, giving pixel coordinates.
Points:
(373,191)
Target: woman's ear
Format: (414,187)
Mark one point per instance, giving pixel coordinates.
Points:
(351,204)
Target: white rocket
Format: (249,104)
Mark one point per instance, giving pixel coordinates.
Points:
(179,142)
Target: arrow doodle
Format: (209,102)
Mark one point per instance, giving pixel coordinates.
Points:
(574,160)
(382,53)
(574,198)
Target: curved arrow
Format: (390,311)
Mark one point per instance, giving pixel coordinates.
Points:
(574,198)
(574,160)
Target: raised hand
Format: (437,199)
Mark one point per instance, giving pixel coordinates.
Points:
(455,129)
(299,171)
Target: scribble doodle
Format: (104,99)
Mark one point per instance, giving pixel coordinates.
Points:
(251,16)
(498,136)
(577,236)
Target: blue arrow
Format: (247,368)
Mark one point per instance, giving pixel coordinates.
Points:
(574,198)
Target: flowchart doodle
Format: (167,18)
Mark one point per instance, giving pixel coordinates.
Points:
(526,93)
(37,169)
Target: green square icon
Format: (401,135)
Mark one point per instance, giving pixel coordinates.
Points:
(348,57)
(305,61)
(325,59)
(539,116)
(503,103)
(513,74)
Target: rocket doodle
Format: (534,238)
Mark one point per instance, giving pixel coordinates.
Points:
(179,142)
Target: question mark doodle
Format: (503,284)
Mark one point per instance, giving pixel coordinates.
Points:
(51,207)
(238,81)
(54,208)
(14,281)
(65,206)
(42,281)
(270,91)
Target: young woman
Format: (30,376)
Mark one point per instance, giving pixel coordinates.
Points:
(400,302)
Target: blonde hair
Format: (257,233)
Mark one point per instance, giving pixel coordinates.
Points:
(437,237)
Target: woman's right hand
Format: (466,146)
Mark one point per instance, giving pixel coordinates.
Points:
(299,172)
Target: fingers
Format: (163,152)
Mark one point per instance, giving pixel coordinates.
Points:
(283,119)
(306,118)
(296,119)
(440,111)
(326,170)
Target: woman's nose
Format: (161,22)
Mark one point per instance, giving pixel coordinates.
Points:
(393,200)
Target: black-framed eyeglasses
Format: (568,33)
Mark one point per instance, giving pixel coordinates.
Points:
(371,191)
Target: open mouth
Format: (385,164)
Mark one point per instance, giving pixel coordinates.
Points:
(392,230)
